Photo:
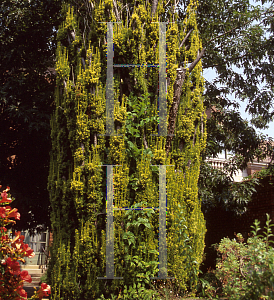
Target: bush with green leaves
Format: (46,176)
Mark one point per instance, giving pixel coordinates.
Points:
(246,269)
(208,285)
(136,291)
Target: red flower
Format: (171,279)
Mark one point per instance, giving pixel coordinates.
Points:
(25,276)
(5,198)
(21,238)
(28,250)
(45,290)
(17,249)
(4,238)
(14,214)
(44,286)
(13,266)
(23,294)
(2,212)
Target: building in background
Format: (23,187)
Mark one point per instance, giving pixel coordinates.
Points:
(252,167)
(39,242)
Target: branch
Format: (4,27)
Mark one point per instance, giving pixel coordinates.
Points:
(181,145)
(167,3)
(145,141)
(199,56)
(194,136)
(240,267)
(225,63)
(184,40)
(95,139)
(174,10)
(154,7)
(237,27)
(72,73)
(202,126)
(73,34)
(83,151)
(116,11)
(181,74)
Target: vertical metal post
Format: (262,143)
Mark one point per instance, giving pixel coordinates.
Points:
(162,223)
(109,87)
(162,274)
(162,80)
(110,227)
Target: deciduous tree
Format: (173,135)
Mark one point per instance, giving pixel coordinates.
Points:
(27,48)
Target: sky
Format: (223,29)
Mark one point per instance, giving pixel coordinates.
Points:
(210,75)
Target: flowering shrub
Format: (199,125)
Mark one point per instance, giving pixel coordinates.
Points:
(11,252)
(246,270)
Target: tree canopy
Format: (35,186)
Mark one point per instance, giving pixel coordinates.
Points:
(237,37)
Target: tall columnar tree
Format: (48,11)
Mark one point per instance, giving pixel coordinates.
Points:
(77,181)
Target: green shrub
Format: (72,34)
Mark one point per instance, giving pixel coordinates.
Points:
(209,285)
(246,270)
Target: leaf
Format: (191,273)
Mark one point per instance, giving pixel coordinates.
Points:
(129,236)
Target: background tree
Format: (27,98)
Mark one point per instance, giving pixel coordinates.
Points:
(27,48)
(79,149)
(237,37)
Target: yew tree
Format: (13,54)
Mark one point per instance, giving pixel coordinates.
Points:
(142,141)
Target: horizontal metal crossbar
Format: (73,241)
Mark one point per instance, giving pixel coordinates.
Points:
(137,208)
(137,65)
